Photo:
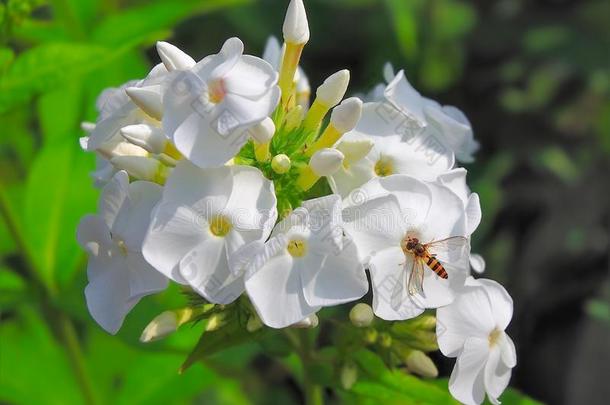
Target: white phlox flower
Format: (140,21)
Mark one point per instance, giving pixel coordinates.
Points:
(455,179)
(118,274)
(447,123)
(387,213)
(204,216)
(209,107)
(421,156)
(307,264)
(472,329)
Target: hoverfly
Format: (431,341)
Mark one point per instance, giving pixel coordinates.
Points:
(425,255)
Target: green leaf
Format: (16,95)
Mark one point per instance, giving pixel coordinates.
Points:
(6,58)
(12,287)
(46,67)
(153,17)
(404,21)
(378,383)
(58,193)
(60,111)
(28,346)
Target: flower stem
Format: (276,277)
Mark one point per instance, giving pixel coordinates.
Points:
(313,392)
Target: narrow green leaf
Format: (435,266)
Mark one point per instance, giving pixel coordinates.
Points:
(58,193)
(152,17)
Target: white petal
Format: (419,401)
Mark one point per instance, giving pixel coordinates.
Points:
(93,235)
(501,302)
(182,92)
(207,271)
(473,213)
(276,293)
(273,52)
(108,292)
(143,279)
(477,262)
(113,198)
(467,383)
(251,77)
(252,203)
(340,279)
(375,225)
(173,58)
(132,223)
(509,353)
(391,300)
(446,217)
(174,231)
(404,97)
(239,111)
(468,316)
(148,99)
(197,139)
(415,197)
(205,190)
(230,54)
(348,179)
(497,376)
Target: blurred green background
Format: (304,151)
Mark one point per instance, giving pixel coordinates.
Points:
(532,76)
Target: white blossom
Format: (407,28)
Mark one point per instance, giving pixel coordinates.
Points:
(204,216)
(118,274)
(307,264)
(209,108)
(381,215)
(472,329)
(422,156)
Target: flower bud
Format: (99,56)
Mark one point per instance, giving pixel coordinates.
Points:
(311,321)
(142,168)
(355,150)
(88,127)
(161,326)
(281,164)
(173,58)
(385,340)
(346,115)
(263,131)
(254,323)
(326,162)
(361,315)
(83,141)
(331,92)
(145,136)
(349,375)
(370,336)
(419,363)
(148,99)
(215,322)
(294,118)
(121,148)
(296,27)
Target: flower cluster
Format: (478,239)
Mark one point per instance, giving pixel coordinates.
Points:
(220,175)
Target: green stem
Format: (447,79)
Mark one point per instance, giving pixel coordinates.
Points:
(313,392)
(75,356)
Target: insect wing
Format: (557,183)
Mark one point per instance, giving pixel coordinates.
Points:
(454,250)
(415,285)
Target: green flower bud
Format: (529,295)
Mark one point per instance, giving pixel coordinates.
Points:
(349,375)
(419,363)
(361,315)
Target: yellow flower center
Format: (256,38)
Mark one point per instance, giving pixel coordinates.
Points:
(384,167)
(220,226)
(297,248)
(494,337)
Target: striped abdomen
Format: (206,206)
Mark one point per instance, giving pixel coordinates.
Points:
(435,266)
